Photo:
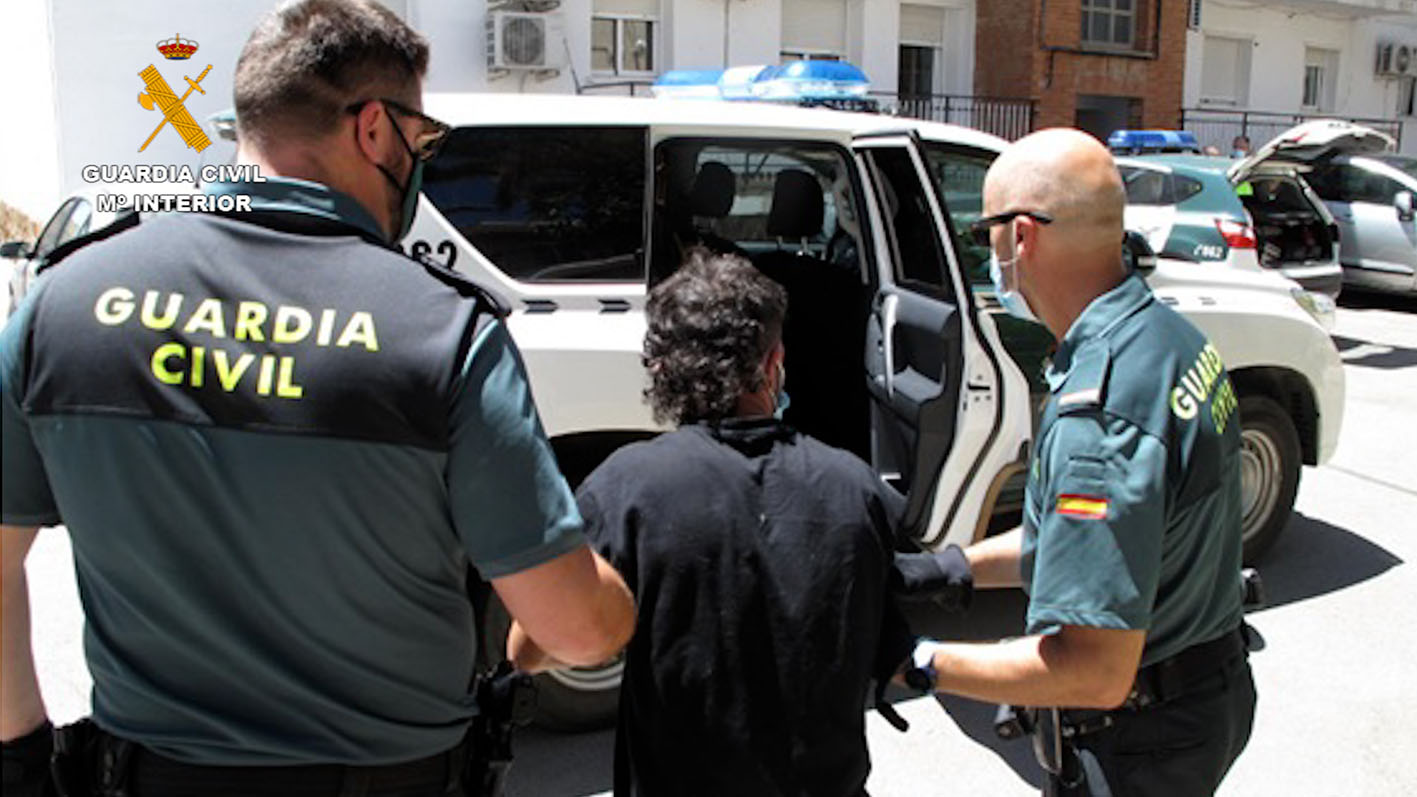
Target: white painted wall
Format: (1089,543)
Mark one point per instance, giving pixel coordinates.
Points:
(1281,35)
(29,141)
(74,68)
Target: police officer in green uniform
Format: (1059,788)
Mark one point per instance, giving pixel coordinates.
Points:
(278,443)
(1130,547)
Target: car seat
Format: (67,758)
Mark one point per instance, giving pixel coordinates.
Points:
(825,331)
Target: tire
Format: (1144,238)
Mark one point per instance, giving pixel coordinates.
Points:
(1269,473)
(575,700)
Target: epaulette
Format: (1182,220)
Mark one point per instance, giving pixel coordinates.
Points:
(123,223)
(460,282)
(1086,385)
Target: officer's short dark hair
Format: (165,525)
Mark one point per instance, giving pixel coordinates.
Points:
(308,60)
(710,326)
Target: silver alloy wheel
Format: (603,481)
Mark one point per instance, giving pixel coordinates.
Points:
(591,679)
(1261,477)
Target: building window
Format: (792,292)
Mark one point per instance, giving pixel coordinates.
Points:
(1109,23)
(622,45)
(917,71)
(1225,71)
(922,40)
(1320,73)
(1407,97)
(813,30)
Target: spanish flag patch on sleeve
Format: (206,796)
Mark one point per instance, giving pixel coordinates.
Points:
(1090,507)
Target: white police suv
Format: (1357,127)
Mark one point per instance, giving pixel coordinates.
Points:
(571,208)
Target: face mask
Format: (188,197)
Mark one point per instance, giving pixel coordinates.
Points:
(1013,301)
(781,401)
(408,206)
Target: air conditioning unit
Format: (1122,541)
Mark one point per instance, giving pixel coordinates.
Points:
(1396,60)
(521,40)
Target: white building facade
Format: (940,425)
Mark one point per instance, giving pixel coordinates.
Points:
(74,63)
(1281,59)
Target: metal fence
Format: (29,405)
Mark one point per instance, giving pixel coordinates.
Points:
(618,88)
(1008,117)
(1219,127)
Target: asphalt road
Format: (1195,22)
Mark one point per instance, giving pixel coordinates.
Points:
(1336,702)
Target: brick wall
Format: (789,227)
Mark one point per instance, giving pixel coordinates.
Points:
(1011,60)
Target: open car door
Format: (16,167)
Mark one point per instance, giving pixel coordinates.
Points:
(949,409)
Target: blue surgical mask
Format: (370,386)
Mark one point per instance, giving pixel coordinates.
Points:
(781,401)
(1013,301)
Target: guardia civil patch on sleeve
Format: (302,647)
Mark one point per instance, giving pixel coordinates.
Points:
(1090,507)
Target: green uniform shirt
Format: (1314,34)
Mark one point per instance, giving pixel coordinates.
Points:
(277,445)
(1132,512)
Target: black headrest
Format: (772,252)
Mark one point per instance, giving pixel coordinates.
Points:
(796,205)
(712,194)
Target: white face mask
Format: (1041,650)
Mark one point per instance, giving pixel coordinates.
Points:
(1012,300)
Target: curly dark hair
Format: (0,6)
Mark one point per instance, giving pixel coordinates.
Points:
(710,326)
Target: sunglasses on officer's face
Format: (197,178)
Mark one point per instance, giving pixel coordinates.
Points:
(979,230)
(425,144)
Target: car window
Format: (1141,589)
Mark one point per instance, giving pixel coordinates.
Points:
(762,199)
(919,260)
(546,204)
(1327,182)
(54,230)
(78,222)
(1348,183)
(1146,186)
(1183,187)
(959,174)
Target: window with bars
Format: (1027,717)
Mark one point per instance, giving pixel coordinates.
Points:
(1109,23)
(622,45)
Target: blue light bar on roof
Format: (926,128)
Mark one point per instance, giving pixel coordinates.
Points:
(794,81)
(1132,142)
(813,80)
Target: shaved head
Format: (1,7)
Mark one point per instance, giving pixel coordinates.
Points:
(1065,173)
(1061,263)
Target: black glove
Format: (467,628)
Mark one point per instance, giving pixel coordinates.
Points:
(942,576)
(26,763)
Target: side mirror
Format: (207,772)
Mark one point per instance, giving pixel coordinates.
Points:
(1404,204)
(15,249)
(1137,254)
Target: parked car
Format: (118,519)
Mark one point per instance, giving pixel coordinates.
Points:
(76,216)
(1297,233)
(1372,197)
(572,208)
(1258,212)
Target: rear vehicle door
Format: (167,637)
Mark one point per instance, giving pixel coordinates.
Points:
(1362,198)
(938,386)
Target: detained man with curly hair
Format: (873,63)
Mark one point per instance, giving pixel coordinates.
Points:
(761,560)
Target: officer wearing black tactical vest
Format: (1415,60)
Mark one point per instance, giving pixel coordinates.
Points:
(277,444)
(1130,547)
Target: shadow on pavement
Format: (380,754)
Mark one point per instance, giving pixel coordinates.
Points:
(561,764)
(996,614)
(1367,300)
(1313,558)
(1391,356)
